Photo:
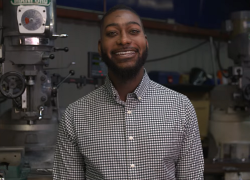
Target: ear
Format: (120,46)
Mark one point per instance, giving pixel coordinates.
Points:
(99,48)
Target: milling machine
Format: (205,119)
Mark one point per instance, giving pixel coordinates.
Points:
(230,118)
(28,130)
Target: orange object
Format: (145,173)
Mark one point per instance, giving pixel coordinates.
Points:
(220,76)
(27,20)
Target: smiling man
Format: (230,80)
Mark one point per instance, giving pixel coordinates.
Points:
(124,48)
(131,127)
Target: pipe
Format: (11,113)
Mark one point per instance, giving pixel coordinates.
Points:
(213,58)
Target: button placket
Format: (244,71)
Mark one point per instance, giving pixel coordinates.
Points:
(130,110)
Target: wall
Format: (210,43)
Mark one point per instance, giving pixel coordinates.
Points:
(84,36)
(164,44)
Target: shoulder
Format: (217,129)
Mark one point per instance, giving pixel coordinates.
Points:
(176,105)
(92,98)
(165,92)
(178,102)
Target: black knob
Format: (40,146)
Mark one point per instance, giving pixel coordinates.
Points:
(66,49)
(72,72)
(43,98)
(52,56)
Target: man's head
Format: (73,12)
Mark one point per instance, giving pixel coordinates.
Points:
(123,44)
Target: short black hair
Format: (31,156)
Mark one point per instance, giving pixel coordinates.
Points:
(115,8)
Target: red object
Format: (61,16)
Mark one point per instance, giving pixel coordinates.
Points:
(170,79)
(220,76)
(27,20)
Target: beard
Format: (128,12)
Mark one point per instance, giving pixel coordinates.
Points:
(128,73)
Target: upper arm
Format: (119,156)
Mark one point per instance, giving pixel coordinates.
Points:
(68,162)
(190,164)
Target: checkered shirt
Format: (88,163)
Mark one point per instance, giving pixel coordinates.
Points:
(154,135)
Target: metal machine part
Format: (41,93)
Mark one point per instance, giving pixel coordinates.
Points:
(12,165)
(12,84)
(230,118)
(230,123)
(239,50)
(28,46)
(96,67)
(238,47)
(31,19)
(29,33)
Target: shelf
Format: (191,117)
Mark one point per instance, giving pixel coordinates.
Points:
(190,88)
(223,167)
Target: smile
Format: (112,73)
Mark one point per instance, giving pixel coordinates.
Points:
(125,52)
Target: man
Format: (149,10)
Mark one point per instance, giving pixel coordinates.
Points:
(131,127)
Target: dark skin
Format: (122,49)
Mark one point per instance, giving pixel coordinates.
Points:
(123,40)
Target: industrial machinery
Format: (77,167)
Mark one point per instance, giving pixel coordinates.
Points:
(230,118)
(28,130)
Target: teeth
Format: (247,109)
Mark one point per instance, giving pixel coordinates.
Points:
(125,52)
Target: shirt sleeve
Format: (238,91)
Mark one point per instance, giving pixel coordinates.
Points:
(190,164)
(68,161)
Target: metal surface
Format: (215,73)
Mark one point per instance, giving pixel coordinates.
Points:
(230,123)
(34,20)
(24,100)
(11,155)
(240,21)
(230,117)
(60,35)
(34,41)
(225,96)
(37,127)
(213,58)
(32,122)
(41,109)
(230,127)
(12,84)
(238,48)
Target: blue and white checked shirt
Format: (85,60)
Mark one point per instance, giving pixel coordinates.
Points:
(154,135)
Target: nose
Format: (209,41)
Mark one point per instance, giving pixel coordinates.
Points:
(123,39)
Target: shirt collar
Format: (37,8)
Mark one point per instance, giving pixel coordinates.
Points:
(139,91)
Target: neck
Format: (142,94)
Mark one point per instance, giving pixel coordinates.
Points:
(125,87)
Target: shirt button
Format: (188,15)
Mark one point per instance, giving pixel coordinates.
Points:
(129,112)
(132,165)
(131,137)
(139,98)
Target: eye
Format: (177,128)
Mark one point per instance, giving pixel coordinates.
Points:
(111,33)
(134,31)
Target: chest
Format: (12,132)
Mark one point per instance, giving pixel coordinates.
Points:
(150,128)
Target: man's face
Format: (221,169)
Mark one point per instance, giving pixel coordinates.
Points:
(123,44)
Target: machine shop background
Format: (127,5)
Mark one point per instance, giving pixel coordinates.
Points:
(84,36)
